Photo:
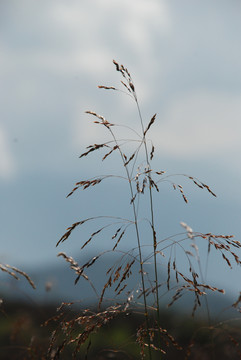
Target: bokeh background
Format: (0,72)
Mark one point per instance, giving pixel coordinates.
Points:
(185,59)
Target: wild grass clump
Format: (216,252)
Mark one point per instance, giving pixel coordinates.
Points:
(177,255)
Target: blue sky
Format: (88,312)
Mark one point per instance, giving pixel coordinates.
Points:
(184,57)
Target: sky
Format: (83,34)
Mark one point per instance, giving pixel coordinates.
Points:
(184,58)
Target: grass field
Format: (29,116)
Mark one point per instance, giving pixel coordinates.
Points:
(22,336)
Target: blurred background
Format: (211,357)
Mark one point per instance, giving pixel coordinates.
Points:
(184,58)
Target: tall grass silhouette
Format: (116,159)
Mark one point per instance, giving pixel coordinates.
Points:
(177,256)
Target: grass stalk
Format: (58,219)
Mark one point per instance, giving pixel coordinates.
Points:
(152,223)
(151,335)
(138,243)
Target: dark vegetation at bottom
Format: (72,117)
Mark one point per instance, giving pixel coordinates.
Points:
(23,335)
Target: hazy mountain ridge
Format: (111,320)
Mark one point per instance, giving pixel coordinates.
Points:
(56,284)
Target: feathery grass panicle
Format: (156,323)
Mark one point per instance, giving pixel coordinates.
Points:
(183,276)
(13,271)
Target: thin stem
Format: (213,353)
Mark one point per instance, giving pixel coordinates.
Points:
(139,244)
(152,222)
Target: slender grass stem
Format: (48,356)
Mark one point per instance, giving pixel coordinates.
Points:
(152,221)
(139,245)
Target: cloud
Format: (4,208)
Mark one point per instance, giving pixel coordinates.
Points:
(171,56)
(101,30)
(200,124)
(7,168)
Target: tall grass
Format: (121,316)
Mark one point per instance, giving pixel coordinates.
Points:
(177,254)
(15,272)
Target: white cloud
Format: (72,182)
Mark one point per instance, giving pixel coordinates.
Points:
(47,44)
(138,22)
(83,36)
(6,161)
(200,124)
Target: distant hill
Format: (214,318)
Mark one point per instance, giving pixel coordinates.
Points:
(56,284)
